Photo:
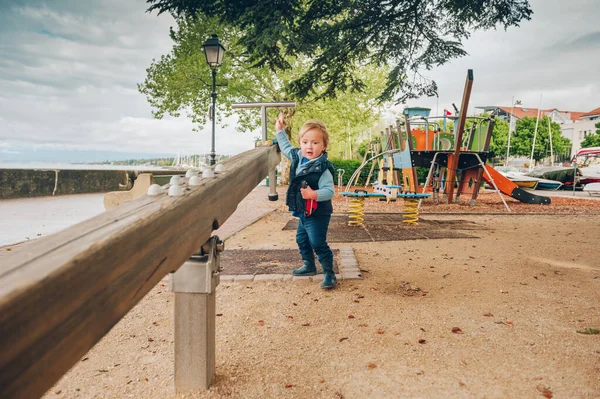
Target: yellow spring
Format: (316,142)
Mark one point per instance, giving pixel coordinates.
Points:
(411,211)
(357,206)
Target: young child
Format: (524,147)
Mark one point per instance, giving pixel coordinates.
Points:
(310,165)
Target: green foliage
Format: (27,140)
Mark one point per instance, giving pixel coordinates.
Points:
(349,166)
(338,37)
(499,139)
(522,138)
(179,82)
(422,173)
(592,140)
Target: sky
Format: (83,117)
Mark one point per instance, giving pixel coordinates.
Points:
(69,72)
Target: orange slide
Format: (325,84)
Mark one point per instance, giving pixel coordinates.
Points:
(509,188)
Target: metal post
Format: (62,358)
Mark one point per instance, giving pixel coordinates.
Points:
(512,108)
(482,165)
(214,100)
(194,284)
(273,196)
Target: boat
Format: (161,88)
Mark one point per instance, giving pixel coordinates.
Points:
(516,176)
(588,160)
(561,174)
(546,184)
(524,180)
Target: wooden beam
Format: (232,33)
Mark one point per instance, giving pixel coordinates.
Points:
(69,289)
(458,135)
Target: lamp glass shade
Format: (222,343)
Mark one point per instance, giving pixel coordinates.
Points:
(213,50)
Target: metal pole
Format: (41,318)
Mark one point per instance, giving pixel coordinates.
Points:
(550,134)
(482,165)
(535,135)
(263,117)
(273,196)
(512,109)
(214,100)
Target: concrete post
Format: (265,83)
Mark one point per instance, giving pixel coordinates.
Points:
(195,285)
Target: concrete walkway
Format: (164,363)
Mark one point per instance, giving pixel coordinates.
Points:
(566,194)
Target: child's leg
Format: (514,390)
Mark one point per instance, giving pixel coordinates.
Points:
(316,229)
(306,252)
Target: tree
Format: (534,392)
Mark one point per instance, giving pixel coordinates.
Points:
(174,84)
(499,140)
(522,138)
(338,37)
(592,140)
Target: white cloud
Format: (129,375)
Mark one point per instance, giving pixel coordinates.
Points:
(536,59)
(70,76)
(69,70)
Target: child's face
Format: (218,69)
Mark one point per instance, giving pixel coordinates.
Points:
(312,144)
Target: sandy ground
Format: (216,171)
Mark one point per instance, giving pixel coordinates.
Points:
(493,317)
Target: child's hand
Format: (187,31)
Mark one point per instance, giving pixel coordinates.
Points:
(308,193)
(279,126)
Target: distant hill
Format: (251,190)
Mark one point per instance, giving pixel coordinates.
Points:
(74,156)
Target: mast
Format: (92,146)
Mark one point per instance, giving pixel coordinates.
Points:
(535,134)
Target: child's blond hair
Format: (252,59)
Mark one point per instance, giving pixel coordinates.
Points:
(315,124)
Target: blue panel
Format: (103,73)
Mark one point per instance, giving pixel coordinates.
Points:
(416,111)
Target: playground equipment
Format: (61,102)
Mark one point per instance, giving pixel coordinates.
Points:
(456,161)
(381,190)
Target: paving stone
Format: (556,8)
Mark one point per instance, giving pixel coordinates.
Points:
(352,276)
(226,278)
(287,277)
(244,277)
(264,277)
(298,278)
(351,270)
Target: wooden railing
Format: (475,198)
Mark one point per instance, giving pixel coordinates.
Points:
(64,292)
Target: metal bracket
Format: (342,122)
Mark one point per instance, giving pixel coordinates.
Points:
(201,273)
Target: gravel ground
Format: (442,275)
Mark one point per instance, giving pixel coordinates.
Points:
(495,316)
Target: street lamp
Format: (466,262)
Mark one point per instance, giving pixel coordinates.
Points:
(213,50)
(510,127)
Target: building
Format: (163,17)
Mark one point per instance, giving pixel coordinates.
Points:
(513,114)
(575,125)
(580,129)
(593,115)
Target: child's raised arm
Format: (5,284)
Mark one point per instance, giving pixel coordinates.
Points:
(282,140)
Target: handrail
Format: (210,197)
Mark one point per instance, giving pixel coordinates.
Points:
(63,294)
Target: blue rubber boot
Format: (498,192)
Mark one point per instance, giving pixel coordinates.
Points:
(308,269)
(329,279)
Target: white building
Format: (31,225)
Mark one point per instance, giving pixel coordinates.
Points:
(580,129)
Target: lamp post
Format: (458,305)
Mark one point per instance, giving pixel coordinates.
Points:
(213,50)
(510,127)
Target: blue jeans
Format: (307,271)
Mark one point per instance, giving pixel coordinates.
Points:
(311,235)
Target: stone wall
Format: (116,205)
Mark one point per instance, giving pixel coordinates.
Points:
(20,183)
